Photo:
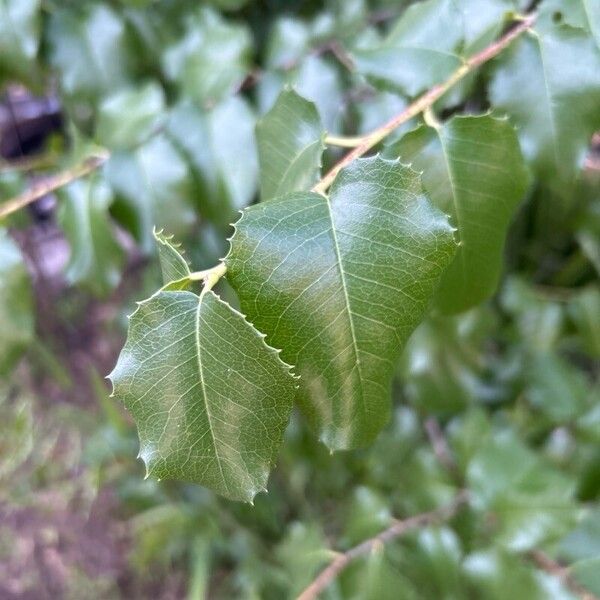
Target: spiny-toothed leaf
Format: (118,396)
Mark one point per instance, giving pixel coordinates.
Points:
(290,146)
(474,171)
(419,52)
(556,115)
(16,304)
(339,284)
(96,258)
(174,268)
(210,399)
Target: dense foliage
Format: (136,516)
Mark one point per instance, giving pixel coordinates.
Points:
(432,308)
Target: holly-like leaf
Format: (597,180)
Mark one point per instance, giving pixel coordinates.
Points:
(16,304)
(129,116)
(174,267)
(210,399)
(339,284)
(290,146)
(96,257)
(420,51)
(555,115)
(474,171)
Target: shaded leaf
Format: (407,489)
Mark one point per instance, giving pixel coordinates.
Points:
(155,184)
(473,170)
(555,115)
(127,117)
(211,59)
(211,400)
(290,146)
(420,51)
(89,50)
(339,284)
(20,22)
(16,304)
(96,258)
(173,265)
(224,158)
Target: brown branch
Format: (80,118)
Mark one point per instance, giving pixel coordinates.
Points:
(397,529)
(425,101)
(563,574)
(440,447)
(52,183)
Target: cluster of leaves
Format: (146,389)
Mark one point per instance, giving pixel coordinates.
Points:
(411,239)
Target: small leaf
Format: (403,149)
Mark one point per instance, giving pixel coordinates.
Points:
(290,146)
(339,285)
(555,115)
(16,304)
(211,400)
(474,171)
(96,258)
(127,117)
(173,265)
(420,51)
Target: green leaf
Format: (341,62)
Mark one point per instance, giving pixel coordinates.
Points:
(290,146)
(96,258)
(155,184)
(483,21)
(474,171)
(555,115)
(224,158)
(212,58)
(173,265)
(16,304)
(211,400)
(89,50)
(419,52)
(128,117)
(339,284)
(584,310)
(19,34)
(576,13)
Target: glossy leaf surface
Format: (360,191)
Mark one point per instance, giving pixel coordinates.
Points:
(555,115)
(210,399)
(474,171)
(339,284)
(290,146)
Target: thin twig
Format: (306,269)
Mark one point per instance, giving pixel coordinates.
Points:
(397,529)
(440,446)
(563,574)
(52,183)
(425,101)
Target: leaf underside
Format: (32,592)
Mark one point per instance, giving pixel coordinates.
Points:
(174,268)
(339,285)
(210,399)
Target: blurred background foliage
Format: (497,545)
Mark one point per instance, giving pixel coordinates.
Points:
(503,399)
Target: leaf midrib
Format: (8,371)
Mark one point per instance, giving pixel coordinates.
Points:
(204,394)
(293,163)
(347,301)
